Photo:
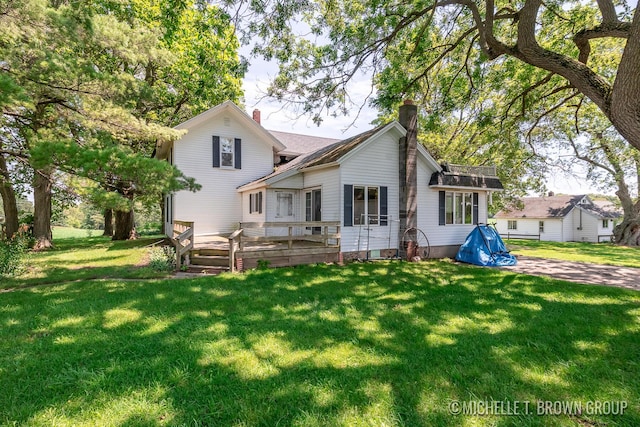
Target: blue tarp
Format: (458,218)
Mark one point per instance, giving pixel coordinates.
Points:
(484,246)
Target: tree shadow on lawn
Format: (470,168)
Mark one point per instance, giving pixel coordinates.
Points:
(388,343)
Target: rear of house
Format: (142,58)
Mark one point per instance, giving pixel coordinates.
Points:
(372,186)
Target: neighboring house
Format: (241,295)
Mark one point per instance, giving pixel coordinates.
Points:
(559,218)
(366,182)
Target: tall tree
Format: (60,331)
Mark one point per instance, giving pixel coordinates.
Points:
(537,49)
(100,84)
(577,133)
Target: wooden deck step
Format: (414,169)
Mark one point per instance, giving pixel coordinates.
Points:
(210,252)
(210,260)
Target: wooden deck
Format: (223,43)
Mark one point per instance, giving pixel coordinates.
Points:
(222,243)
(304,243)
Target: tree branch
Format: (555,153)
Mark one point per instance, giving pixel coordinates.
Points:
(612,29)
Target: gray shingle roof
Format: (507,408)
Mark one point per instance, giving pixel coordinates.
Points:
(327,154)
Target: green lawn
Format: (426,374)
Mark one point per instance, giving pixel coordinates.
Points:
(78,258)
(73,233)
(383,344)
(597,253)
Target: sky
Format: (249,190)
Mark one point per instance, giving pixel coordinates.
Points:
(275,116)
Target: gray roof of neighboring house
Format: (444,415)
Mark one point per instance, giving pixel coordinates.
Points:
(553,207)
(300,144)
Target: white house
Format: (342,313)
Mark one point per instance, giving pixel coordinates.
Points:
(563,218)
(376,184)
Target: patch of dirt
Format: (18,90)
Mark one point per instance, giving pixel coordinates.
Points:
(579,272)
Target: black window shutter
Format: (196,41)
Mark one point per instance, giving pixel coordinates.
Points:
(348,205)
(251,196)
(216,151)
(260,202)
(441,208)
(475,208)
(384,207)
(238,154)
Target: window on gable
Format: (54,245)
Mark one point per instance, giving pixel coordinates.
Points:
(458,208)
(255,202)
(226,152)
(512,225)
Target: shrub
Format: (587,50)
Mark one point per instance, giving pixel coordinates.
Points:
(162,258)
(13,255)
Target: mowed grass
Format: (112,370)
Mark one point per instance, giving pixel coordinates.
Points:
(380,344)
(73,233)
(596,253)
(79,258)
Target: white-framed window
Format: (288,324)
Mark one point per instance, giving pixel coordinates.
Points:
(605,223)
(284,204)
(226,152)
(541,226)
(255,202)
(458,208)
(512,224)
(366,205)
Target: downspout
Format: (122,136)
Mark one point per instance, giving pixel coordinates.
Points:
(408,174)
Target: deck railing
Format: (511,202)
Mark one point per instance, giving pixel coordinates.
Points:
(182,239)
(324,234)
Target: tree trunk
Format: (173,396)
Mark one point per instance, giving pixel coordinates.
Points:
(42,210)
(628,232)
(108,222)
(8,200)
(125,226)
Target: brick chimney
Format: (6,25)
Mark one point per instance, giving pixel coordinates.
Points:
(408,177)
(256,115)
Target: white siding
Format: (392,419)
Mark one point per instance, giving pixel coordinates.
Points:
(328,180)
(567,228)
(553,228)
(295,181)
(376,164)
(429,214)
(217,207)
(602,231)
(589,231)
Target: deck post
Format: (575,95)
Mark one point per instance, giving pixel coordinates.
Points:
(325,235)
(232,255)
(233,248)
(290,245)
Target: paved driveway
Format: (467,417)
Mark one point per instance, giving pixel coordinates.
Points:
(580,272)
